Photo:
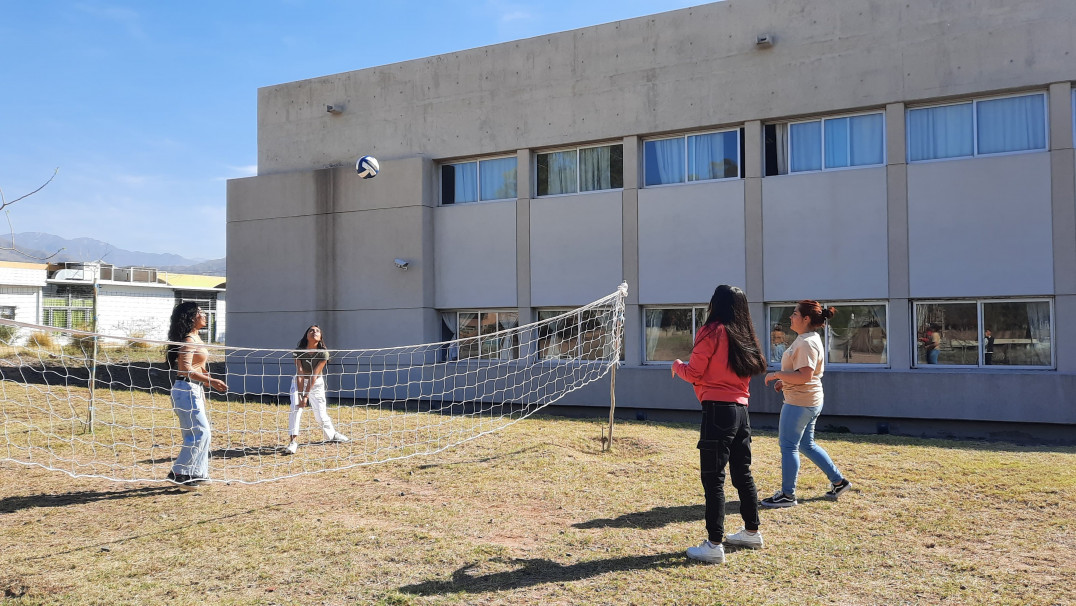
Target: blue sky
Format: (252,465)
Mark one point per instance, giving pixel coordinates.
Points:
(147,108)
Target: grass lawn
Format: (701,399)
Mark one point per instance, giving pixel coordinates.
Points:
(537,514)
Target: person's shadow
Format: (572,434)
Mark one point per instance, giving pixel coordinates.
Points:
(13,504)
(657,517)
(538,571)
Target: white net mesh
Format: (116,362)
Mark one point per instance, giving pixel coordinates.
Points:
(100,406)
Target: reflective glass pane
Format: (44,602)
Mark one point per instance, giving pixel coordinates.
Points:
(947,333)
(1017,333)
(498,178)
(668,334)
(836,142)
(557,173)
(558,340)
(713,156)
(866,139)
(663,161)
(467,332)
(1011,124)
(601,168)
(459,183)
(857,335)
(781,335)
(940,132)
(805,142)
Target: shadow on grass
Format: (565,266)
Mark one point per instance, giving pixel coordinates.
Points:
(657,517)
(536,571)
(13,504)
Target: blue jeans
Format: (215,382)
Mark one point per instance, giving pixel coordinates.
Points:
(795,435)
(188,402)
(932,356)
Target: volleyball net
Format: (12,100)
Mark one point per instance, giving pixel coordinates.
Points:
(95,405)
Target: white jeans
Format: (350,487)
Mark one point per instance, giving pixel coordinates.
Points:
(317,402)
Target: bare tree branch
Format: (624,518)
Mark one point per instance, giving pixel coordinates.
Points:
(4,203)
(11,230)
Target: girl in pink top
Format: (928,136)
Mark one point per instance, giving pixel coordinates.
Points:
(725,356)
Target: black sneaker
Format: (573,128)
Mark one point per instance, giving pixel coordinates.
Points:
(779,499)
(838,488)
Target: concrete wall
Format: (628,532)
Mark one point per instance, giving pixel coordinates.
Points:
(677,70)
(310,242)
(825,236)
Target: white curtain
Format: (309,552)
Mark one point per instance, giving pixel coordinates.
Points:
(653,331)
(508,321)
(805,142)
(940,132)
(560,175)
(708,156)
(1038,322)
(466,182)
(865,137)
(664,161)
(836,131)
(594,168)
(1011,124)
(781,141)
(498,179)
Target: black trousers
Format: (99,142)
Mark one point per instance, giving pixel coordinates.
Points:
(725,439)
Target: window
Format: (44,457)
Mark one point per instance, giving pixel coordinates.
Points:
(480,334)
(670,332)
(978,127)
(479,180)
(701,157)
(68,306)
(855,335)
(579,336)
(580,170)
(825,144)
(207,301)
(7,312)
(985,333)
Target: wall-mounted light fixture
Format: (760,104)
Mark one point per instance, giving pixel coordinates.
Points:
(764,40)
(402,264)
(335,108)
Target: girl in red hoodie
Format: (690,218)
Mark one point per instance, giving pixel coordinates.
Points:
(725,356)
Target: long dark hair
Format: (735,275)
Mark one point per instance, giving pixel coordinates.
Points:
(728,306)
(321,341)
(181,325)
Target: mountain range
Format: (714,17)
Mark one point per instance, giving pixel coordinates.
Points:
(36,246)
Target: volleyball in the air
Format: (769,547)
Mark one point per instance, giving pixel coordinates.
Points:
(367,167)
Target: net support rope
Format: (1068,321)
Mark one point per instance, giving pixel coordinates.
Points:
(95,405)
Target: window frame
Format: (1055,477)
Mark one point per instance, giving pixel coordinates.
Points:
(822,150)
(975,126)
(70,293)
(737,130)
(482,358)
(827,336)
(477,161)
(578,173)
(979,303)
(694,327)
(578,359)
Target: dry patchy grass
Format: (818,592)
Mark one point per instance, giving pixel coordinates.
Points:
(538,514)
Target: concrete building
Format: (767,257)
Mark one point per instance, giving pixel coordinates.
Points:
(909,163)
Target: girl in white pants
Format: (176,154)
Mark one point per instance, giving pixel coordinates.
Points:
(308,388)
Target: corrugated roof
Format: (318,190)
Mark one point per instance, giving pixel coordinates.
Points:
(191,280)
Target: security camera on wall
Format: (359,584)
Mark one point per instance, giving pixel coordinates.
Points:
(402,263)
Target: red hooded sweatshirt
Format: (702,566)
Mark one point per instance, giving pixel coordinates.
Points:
(708,368)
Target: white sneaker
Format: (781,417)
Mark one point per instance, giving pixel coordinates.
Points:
(707,552)
(745,539)
(292,448)
(339,437)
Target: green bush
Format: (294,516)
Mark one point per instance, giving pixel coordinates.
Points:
(7,333)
